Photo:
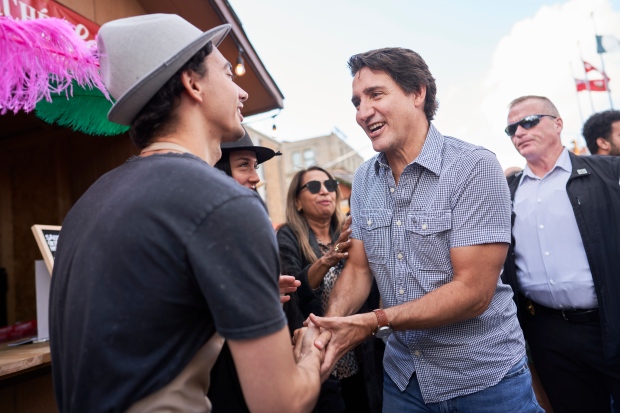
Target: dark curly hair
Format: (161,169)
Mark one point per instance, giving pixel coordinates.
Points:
(405,67)
(599,126)
(155,118)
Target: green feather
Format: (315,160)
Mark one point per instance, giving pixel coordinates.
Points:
(86,111)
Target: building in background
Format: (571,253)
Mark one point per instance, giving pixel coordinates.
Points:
(330,152)
(271,187)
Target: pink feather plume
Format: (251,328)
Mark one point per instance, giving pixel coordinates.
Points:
(41,57)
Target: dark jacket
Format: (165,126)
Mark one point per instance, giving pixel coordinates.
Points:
(369,354)
(294,263)
(594,192)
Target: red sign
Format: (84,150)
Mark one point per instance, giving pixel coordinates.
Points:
(42,9)
(18,330)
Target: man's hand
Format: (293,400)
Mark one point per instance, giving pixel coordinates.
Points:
(346,333)
(288,284)
(304,340)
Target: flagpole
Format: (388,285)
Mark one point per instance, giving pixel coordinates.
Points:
(586,78)
(572,74)
(611,103)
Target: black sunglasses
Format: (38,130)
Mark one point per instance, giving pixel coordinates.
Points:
(527,122)
(315,186)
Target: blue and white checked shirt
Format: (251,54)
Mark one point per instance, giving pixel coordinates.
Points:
(454,194)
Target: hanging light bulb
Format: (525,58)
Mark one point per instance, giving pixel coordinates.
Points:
(240,67)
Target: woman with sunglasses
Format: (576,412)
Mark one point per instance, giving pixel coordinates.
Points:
(313,246)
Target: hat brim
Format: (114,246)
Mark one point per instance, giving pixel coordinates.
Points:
(129,105)
(262,154)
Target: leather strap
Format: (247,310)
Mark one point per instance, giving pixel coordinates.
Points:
(382,319)
(572,316)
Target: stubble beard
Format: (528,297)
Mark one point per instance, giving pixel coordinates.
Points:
(614,151)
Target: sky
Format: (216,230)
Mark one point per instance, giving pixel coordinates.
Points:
(482,53)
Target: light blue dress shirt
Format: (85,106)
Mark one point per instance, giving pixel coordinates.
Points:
(552,267)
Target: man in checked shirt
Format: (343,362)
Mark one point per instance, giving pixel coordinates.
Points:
(431,223)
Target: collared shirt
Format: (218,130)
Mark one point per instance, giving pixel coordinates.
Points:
(453,194)
(552,267)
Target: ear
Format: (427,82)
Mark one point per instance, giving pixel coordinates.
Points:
(297,206)
(420,97)
(191,85)
(604,146)
(559,124)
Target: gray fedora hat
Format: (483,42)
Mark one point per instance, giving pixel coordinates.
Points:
(138,55)
(245,144)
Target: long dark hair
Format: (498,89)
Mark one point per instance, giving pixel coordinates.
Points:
(224,164)
(156,118)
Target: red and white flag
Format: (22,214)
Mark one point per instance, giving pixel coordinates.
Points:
(597,85)
(588,67)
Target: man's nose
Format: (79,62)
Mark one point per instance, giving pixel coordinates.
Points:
(243,95)
(519,132)
(364,112)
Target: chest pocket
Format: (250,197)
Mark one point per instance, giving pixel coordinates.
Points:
(375,226)
(429,233)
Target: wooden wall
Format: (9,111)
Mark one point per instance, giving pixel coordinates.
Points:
(102,11)
(43,171)
(30,392)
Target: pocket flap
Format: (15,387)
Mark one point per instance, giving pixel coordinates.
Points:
(429,222)
(375,218)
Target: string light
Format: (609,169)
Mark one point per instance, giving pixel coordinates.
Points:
(240,67)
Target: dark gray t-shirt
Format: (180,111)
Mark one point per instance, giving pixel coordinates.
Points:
(153,259)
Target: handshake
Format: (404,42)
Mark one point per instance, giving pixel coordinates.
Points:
(324,340)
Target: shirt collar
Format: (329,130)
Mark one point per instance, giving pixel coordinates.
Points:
(428,157)
(563,162)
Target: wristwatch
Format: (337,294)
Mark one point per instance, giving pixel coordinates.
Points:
(383,328)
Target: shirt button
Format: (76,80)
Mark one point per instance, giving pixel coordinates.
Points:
(539,200)
(541,226)
(401,291)
(546,252)
(369,222)
(417,353)
(392,190)
(400,256)
(551,282)
(398,223)
(424,226)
